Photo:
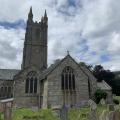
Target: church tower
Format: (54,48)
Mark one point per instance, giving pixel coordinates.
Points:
(35,44)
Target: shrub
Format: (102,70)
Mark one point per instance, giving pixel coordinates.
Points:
(115,101)
(99,94)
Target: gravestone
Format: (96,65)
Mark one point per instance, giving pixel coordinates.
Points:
(110,115)
(102,102)
(110,107)
(106,115)
(34,108)
(56,111)
(64,113)
(103,115)
(92,115)
(92,105)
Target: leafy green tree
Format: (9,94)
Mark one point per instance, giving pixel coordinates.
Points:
(101,74)
(99,94)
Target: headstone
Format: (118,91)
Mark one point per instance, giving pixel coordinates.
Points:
(110,115)
(102,102)
(92,115)
(64,113)
(103,115)
(92,105)
(56,111)
(110,107)
(34,108)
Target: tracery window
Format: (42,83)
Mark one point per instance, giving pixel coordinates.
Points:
(31,82)
(68,79)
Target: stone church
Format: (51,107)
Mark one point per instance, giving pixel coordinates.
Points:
(63,83)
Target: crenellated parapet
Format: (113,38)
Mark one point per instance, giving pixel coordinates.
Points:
(44,19)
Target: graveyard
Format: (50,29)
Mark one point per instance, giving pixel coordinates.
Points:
(47,114)
(83,113)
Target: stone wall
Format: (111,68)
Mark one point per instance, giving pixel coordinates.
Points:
(23,99)
(6,89)
(55,94)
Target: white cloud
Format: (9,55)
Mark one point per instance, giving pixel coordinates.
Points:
(11,45)
(89,29)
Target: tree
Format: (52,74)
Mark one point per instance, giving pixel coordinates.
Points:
(99,94)
(101,74)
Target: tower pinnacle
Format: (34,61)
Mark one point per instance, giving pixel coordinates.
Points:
(30,15)
(45,17)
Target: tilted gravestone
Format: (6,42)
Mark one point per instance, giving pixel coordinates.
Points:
(92,115)
(92,105)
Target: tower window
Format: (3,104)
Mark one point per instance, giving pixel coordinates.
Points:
(68,79)
(31,82)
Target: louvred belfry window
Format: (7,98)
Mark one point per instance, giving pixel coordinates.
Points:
(68,79)
(31,82)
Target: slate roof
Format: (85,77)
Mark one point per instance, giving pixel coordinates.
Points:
(8,74)
(58,62)
(103,85)
(50,68)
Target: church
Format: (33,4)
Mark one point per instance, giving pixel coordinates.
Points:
(63,83)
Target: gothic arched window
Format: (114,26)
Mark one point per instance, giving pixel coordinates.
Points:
(31,82)
(68,79)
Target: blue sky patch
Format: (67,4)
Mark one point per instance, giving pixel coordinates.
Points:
(104,58)
(15,25)
(72,3)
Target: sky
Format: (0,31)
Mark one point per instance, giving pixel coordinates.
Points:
(88,29)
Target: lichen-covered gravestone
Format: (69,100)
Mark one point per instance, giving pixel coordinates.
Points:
(92,105)
(110,107)
(102,102)
(92,115)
